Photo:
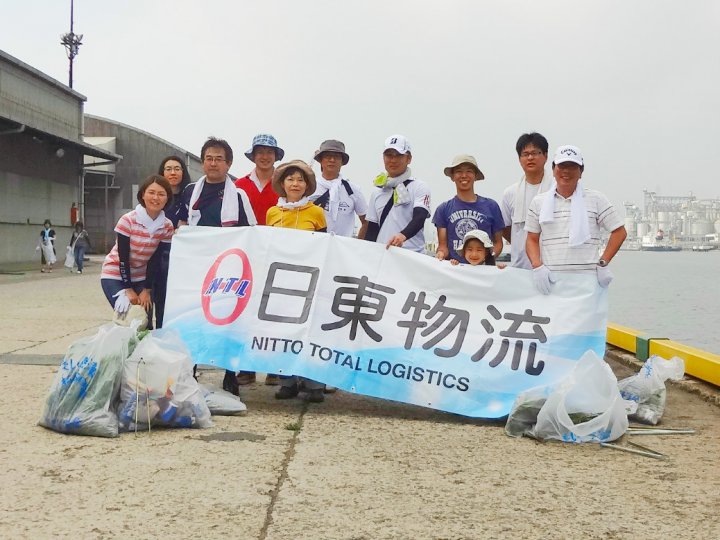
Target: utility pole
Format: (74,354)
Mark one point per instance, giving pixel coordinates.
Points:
(71,41)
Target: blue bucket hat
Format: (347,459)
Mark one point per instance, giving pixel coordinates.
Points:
(265,139)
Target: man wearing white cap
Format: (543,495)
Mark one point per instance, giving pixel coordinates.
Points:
(532,151)
(338,197)
(264,152)
(399,204)
(466,211)
(564,226)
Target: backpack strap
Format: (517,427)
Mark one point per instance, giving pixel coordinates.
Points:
(389,205)
(323,199)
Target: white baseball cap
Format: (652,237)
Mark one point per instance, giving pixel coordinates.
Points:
(399,143)
(477,234)
(566,153)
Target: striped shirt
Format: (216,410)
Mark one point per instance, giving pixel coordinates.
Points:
(142,246)
(556,254)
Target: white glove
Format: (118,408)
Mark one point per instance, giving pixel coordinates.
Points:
(543,278)
(604,276)
(122,302)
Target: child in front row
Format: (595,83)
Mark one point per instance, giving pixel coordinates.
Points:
(477,249)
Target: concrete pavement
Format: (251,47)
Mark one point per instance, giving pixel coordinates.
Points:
(350,468)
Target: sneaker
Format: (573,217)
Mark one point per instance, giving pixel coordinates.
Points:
(230,383)
(246,377)
(79,271)
(272,380)
(315,396)
(42,270)
(287,392)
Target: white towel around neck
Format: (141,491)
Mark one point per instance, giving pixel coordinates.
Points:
(144,219)
(579,228)
(333,188)
(230,207)
(521,201)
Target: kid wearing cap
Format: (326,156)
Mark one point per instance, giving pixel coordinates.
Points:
(476,249)
(399,204)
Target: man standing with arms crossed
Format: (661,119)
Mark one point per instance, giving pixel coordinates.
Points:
(564,225)
(532,150)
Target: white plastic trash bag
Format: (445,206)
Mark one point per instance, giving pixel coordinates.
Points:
(158,388)
(222,403)
(647,387)
(69,258)
(586,406)
(82,397)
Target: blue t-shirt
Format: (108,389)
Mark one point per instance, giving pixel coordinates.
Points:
(459,217)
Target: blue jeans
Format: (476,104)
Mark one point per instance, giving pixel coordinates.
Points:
(79,257)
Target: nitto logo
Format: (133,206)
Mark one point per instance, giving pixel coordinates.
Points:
(219,289)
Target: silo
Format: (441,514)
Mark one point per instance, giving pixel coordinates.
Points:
(701,227)
(717,226)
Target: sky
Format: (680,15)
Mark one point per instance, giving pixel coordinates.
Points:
(634,84)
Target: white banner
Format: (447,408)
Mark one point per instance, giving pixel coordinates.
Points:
(390,323)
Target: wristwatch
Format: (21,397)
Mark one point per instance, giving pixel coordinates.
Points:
(602,263)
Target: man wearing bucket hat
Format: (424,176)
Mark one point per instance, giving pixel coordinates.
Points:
(532,151)
(399,204)
(264,152)
(564,226)
(338,197)
(466,211)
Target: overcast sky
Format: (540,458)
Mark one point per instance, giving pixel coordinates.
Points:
(634,83)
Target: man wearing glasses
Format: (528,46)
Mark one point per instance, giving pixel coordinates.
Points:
(532,150)
(214,201)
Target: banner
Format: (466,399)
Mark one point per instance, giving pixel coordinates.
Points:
(388,323)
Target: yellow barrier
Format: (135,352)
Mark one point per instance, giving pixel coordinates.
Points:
(698,363)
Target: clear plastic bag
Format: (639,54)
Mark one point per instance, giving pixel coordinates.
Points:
(82,397)
(158,388)
(585,406)
(222,403)
(647,387)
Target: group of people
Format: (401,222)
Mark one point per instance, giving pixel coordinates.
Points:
(551,222)
(79,244)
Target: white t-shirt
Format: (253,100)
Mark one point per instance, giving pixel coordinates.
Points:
(348,207)
(400,214)
(518,234)
(556,254)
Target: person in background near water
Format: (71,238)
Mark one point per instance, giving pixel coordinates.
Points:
(214,201)
(142,234)
(48,256)
(264,152)
(399,204)
(466,211)
(79,242)
(564,224)
(174,170)
(294,181)
(532,151)
(476,249)
(341,199)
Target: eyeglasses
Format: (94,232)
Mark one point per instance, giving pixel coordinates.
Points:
(215,159)
(172,169)
(534,153)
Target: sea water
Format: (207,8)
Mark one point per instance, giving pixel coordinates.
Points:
(675,295)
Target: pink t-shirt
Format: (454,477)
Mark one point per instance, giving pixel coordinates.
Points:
(142,246)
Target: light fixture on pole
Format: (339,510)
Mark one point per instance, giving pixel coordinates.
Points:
(71,41)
